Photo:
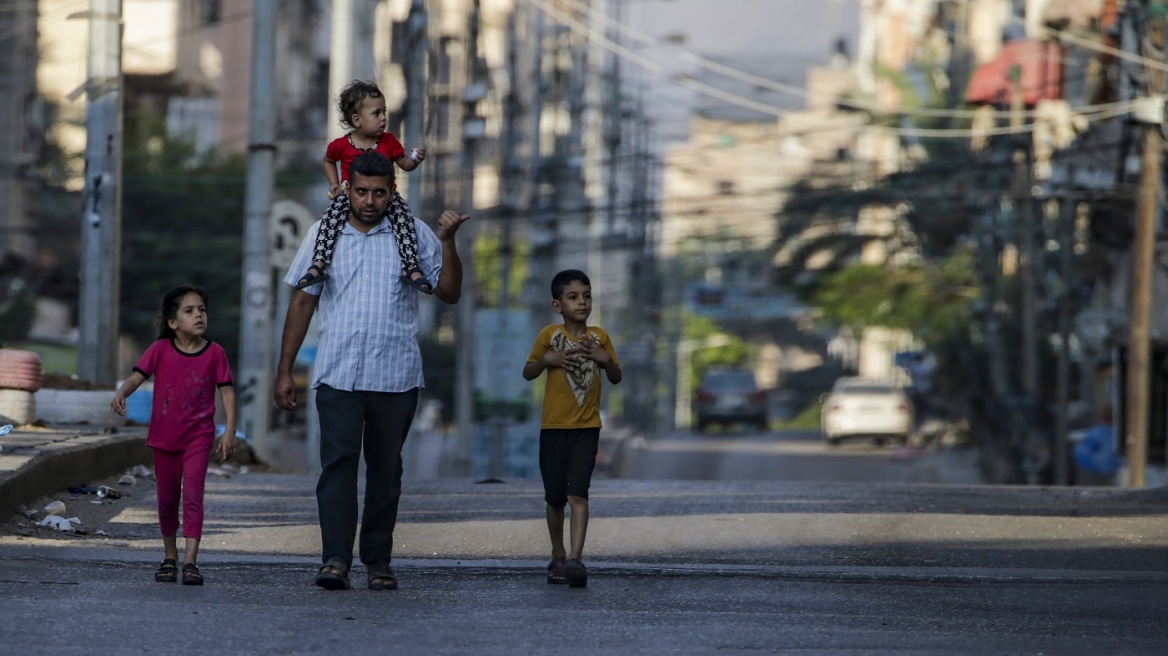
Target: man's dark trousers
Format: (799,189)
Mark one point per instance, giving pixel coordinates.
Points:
(380,420)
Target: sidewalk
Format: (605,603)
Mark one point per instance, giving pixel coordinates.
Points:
(38,461)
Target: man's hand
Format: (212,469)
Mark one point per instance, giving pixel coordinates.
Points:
(285,391)
(449,223)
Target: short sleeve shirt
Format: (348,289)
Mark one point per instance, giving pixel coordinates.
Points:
(344,151)
(367,320)
(184,393)
(571,398)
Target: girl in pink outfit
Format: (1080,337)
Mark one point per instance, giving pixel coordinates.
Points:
(187,369)
(362,109)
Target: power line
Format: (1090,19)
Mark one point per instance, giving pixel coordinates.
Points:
(1108,111)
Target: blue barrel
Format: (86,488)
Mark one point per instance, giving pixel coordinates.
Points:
(138,406)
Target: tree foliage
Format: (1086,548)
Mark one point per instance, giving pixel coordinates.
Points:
(928,299)
(182,222)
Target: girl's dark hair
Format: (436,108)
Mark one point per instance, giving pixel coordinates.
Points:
(351,98)
(561,280)
(169,308)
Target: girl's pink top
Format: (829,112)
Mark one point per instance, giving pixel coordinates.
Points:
(342,150)
(184,393)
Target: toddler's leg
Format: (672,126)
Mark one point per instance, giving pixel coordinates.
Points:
(326,240)
(402,222)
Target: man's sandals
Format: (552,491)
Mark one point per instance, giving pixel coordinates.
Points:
(381,577)
(338,579)
(311,278)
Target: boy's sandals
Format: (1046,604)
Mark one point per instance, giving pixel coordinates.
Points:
(311,278)
(334,580)
(556,572)
(420,283)
(576,573)
(381,577)
(191,575)
(167,572)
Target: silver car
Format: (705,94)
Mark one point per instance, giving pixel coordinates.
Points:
(728,396)
(866,408)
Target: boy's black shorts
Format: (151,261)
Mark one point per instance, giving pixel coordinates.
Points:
(567,457)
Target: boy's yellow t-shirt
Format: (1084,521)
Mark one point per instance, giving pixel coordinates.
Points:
(571,399)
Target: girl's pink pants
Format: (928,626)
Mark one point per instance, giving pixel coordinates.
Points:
(182,475)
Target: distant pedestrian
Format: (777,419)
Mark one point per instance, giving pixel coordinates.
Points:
(188,369)
(362,110)
(573,354)
(368,368)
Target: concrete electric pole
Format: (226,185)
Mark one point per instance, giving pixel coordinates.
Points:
(1149,111)
(17,94)
(101,225)
(417,47)
(254,380)
(340,60)
(473,129)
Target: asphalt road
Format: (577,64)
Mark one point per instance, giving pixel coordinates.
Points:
(788,456)
(104,607)
(692,567)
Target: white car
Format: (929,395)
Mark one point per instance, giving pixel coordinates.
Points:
(866,408)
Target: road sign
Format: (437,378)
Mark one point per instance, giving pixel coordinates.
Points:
(289,223)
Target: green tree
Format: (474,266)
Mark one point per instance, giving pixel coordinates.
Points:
(930,300)
(182,222)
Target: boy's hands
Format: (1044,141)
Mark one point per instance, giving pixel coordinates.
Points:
(593,351)
(418,154)
(569,359)
(338,189)
(118,405)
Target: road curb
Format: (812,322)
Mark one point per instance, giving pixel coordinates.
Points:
(57,466)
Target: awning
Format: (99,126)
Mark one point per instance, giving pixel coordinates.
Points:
(1041,73)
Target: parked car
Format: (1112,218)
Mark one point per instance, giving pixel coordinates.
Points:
(728,396)
(865,408)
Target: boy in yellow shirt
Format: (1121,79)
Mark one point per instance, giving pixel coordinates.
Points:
(574,354)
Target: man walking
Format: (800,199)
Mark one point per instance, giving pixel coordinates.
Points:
(368,367)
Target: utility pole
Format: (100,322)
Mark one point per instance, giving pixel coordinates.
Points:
(542,232)
(340,60)
(417,47)
(1143,248)
(1023,210)
(255,329)
(101,225)
(1139,339)
(473,129)
(17,91)
(612,130)
(1068,210)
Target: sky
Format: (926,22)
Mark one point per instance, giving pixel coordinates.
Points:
(778,39)
(754,27)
